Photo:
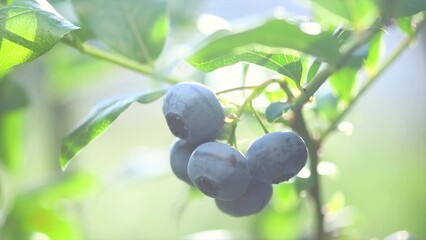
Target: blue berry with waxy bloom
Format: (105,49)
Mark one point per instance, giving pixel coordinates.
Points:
(179,158)
(219,171)
(276,157)
(253,200)
(193,112)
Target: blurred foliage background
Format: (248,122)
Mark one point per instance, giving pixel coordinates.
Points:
(121,187)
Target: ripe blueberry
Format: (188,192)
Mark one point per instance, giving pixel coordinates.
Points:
(179,157)
(253,200)
(219,171)
(193,112)
(277,157)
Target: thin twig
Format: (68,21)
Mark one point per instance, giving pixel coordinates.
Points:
(256,92)
(265,130)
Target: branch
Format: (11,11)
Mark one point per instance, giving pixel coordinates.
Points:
(119,60)
(299,126)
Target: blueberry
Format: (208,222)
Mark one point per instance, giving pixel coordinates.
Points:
(179,157)
(193,112)
(253,200)
(277,157)
(219,171)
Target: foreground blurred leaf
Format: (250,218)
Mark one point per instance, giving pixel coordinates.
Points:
(375,52)
(41,212)
(275,34)
(11,140)
(405,25)
(28,29)
(401,8)
(135,29)
(359,13)
(101,117)
(275,110)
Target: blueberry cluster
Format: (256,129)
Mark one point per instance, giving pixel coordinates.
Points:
(241,185)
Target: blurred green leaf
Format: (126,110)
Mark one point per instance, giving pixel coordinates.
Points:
(274,95)
(281,220)
(275,110)
(11,140)
(39,212)
(273,34)
(3,74)
(405,25)
(401,8)
(313,70)
(375,52)
(135,29)
(28,29)
(343,82)
(286,198)
(336,203)
(101,117)
(12,96)
(326,106)
(274,225)
(5,2)
(359,13)
(66,74)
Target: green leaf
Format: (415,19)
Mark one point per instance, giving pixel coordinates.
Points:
(401,8)
(375,52)
(3,74)
(98,121)
(288,65)
(359,13)
(28,29)
(5,2)
(65,74)
(313,70)
(11,140)
(275,35)
(12,96)
(405,25)
(327,106)
(343,83)
(135,29)
(275,110)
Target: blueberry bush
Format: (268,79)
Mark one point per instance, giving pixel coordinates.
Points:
(298,77)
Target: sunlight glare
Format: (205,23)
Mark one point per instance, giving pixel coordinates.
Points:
(311,28)
(208,24)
